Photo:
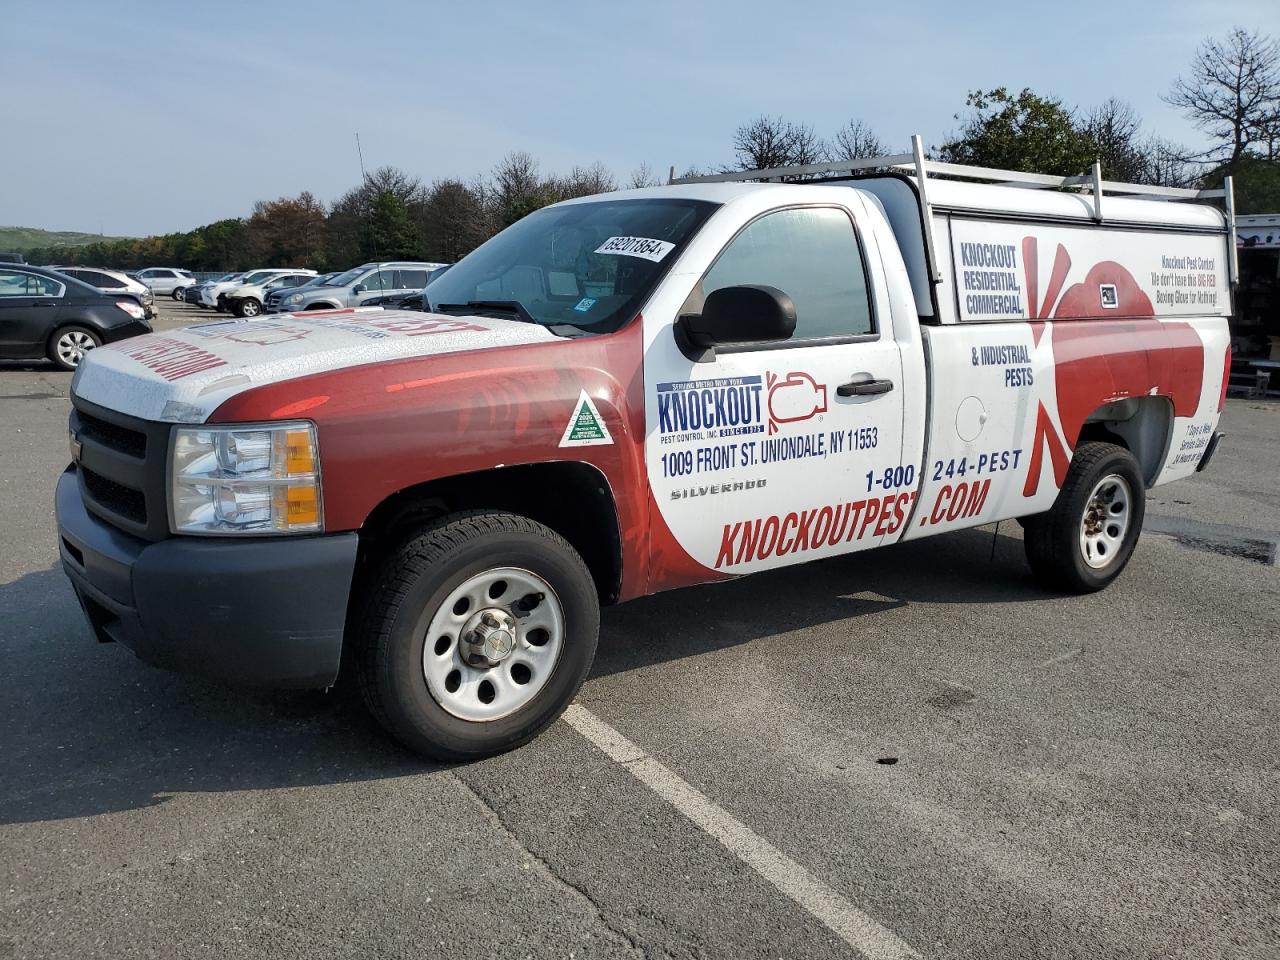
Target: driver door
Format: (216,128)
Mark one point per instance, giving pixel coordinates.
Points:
(769,454)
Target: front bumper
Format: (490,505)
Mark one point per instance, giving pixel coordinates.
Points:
(266,611)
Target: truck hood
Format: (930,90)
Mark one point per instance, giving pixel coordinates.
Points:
(184,375)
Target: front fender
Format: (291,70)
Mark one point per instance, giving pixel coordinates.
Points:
(383,427)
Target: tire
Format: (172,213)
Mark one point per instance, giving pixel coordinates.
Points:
(1088,536)
(68,345)
(422,627)
(248,307)
(179,294)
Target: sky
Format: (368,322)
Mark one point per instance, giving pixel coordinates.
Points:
(153,117)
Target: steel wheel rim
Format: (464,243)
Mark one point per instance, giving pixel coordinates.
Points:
(482,693)
(73,345)
(1107,515)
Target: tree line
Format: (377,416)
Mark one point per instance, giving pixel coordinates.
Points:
(1231,92)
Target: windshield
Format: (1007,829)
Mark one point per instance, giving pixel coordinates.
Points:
(257,276)
(342,279)
(589,265)
(229,277)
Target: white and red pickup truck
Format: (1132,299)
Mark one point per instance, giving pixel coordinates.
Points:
(638,391)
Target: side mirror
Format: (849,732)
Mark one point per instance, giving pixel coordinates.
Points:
(358,288)
(751,313)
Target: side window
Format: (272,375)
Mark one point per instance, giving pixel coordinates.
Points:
(411,279)
(44,287)
(381,280)
(103,280)
(28,285)
(812,255)
(13,284)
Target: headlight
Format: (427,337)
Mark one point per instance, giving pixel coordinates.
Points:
(245,480)
(294,298)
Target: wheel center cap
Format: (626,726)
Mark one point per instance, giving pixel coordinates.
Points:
(489,637)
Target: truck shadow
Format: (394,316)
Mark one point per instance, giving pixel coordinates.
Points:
(91,730)
(952,568)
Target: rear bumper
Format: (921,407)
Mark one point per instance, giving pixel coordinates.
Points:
(124,331)
(266,612)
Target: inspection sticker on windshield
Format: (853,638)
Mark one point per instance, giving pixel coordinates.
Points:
(641,247)
(586,427)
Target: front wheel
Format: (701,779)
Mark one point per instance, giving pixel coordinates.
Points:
(1088,536)
(475,635)
(249,307)
(179,294)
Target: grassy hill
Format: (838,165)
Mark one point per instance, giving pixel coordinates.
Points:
(28,238)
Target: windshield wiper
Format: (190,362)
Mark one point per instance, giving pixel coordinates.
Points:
(503,306)
(517,310)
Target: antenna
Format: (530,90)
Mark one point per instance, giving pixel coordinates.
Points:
(360,154)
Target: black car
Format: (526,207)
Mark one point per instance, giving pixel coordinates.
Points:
(47,314)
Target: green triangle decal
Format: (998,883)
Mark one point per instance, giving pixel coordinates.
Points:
(585,425)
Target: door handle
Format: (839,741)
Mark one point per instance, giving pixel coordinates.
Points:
(864,388)
(42,303)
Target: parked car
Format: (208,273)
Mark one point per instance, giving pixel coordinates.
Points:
(116,284)
(12,258)
(247,299)
(272,303)
(215,294)
(363,283)
(44,313)
(167,280)
(196,294)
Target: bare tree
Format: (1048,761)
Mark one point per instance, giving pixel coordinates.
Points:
(1115,128)
(519,188)
(773,142)
(453,220)
(855,141)
(1233,93)
(643,176)
(1165,164)
(586,181)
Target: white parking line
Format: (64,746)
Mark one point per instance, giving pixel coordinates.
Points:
(846,921)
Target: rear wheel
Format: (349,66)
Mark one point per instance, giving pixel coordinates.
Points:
(68,346)
(475,635)
(1087,538)
(248,307)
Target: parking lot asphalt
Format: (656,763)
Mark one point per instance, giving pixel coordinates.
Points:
(918,740)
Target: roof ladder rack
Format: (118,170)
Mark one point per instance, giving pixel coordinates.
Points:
(915,164)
